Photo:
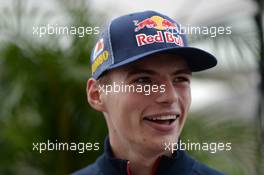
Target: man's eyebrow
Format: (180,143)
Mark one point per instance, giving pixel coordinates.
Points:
(182,71)
(136,71)
(141,71)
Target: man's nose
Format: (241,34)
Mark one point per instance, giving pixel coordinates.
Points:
(169,96)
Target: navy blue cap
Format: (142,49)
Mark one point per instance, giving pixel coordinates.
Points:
(138,35)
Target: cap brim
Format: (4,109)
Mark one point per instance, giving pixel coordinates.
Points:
(196,59)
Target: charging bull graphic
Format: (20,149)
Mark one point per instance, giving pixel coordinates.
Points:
(156,22)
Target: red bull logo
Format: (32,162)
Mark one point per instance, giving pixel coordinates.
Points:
(155,22)
(163,35)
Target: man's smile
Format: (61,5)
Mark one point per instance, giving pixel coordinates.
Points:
(162,122)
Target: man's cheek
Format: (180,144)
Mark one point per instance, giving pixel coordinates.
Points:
(186,99)
(189,96)
(189,101)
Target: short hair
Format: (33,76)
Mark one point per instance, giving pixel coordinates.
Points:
(104,78)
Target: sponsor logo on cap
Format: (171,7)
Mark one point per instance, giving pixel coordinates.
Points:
(99,47)
(167,31)
(155,22)
(167,37)
(99,55)
(98,61)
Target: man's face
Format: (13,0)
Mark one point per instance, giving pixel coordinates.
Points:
(147,121)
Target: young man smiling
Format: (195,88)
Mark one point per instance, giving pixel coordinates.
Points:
(139,49)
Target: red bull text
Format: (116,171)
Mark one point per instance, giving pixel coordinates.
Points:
(168,37)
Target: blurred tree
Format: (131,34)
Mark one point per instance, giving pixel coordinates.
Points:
(260,111)
(42,92)
(211,128)
(246,135)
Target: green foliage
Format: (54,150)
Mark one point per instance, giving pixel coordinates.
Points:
(213,129)
(43,97)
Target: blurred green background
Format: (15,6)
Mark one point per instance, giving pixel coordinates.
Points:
(43,81)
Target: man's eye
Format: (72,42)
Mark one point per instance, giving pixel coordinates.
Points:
(143,80)
(181,80)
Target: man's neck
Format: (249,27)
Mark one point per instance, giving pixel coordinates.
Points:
(141,162)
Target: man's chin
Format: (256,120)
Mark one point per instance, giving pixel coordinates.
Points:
(160,145)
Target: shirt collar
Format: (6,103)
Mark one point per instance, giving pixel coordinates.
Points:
(179,162)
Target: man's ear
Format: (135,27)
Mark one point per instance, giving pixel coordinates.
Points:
(94,94)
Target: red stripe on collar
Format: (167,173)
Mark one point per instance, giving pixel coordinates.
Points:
(154,168)
(128,168)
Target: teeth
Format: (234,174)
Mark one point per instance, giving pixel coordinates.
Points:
(166,117)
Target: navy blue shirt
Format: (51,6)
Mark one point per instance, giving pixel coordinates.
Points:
(179,164)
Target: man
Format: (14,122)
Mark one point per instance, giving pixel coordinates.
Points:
(141,74)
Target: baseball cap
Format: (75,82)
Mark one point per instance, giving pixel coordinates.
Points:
(138,35)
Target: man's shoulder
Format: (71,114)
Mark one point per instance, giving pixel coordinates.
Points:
(92,169)
(89,170)
(202,169)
